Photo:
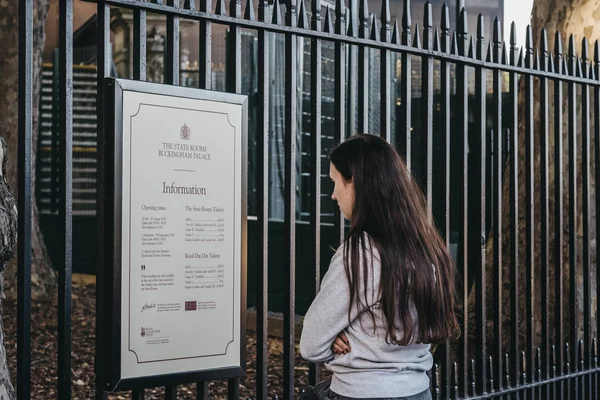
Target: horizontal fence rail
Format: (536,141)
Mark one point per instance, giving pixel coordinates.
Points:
(500,138)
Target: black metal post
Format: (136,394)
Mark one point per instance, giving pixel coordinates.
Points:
(558,209)
(573,264)
(497,188)
(514,211)
(291,46)
(263,200)
(139,44)
(172,46)
(201,391)
(544,218)
(170,392)
(363,69)
(529,207)
(427,107)
(315,167)
(405,139)
(385,59)
(55,155)
(104,63)
(462,263)
(205,64)
(586,211)
(24,199)
(263,210)
(445,190)
(477,212)
(340,97)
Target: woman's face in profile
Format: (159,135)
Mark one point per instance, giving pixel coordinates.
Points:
(343,192)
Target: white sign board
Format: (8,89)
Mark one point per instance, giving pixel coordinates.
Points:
(182,211)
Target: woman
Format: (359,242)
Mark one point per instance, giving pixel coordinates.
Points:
(389,291)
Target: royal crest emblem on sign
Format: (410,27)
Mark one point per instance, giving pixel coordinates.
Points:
(185,132)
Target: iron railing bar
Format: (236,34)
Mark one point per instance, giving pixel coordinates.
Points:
(315,165)
(205,66)
(558,210)
(583,380)
(233,388)
(529,207)
(595,378)
(291,46)
(585,173)
(25,151)
(363,70)
(341,120)
(477,212)
(233,84)
(137,394)
(233,77)
(514,212)
(445,362)
(463,197)
(597,197)
(385,126)
(352,96)
(573,264)
(262,192)
(201,390)
(427,104)
(497,188)
(171,392)
(54,175)
(205,82)
(65,209)
(436,382)
(537,392)
(172,45)
(553,386)
(544,222)
(576,381)
(103,58)
(405,131)
(139,44)
(569,386)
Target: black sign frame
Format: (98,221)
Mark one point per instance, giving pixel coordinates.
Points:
(109,216)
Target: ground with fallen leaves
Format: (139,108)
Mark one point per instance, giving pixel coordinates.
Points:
(44,325)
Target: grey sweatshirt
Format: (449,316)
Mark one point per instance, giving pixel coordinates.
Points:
(372,368)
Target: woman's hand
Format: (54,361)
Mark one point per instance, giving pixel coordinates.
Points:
(341,345)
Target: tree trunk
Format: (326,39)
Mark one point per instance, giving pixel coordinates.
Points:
(8,239)
(42,274)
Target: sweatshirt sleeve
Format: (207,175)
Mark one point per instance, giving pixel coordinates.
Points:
(328,313)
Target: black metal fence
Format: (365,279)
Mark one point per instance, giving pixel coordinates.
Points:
(480,123)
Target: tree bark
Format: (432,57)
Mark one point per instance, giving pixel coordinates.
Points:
(8,239)
(42,274)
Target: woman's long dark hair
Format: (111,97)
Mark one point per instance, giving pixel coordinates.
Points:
(416,267)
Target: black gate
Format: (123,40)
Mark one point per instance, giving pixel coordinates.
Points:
(478,121)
